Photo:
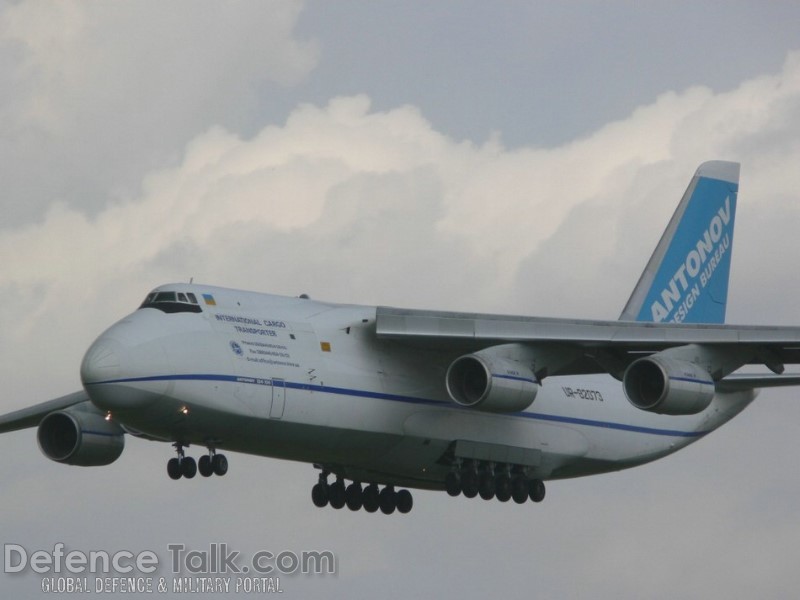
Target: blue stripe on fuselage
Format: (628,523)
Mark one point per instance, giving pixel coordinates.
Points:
(407,399)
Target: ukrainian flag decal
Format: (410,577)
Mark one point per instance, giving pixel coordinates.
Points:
(209,299)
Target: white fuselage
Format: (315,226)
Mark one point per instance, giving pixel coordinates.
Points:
(298,379)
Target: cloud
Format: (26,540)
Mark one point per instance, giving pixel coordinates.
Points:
(351,204)
(100,94)
(340,199)
(356,205)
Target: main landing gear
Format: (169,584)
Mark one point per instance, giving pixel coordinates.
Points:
(490,480)
(185,466)
(356,497)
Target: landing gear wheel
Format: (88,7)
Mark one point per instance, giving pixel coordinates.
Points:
(537,490)
(354,496)
(174,468)
(503,488)
(220,464)
(204,466)
(486,486)
(371,498)
(388,500)
(336,494)
(452,483)
(188,467)
(405,501)
(519,490)
(319,495)
(469,484)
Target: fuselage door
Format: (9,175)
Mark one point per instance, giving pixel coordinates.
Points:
(278,398)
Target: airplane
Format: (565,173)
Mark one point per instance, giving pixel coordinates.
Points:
(389,399)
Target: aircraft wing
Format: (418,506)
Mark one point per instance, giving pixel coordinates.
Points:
(31,416)
(747,381)
(599,346)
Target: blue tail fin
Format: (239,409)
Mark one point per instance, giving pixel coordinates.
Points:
(686,279)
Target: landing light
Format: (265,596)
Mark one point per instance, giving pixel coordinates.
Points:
(108,416)
(184,410)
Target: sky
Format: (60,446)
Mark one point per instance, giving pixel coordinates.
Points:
(520,158)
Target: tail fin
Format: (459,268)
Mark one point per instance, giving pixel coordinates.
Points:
(686,279)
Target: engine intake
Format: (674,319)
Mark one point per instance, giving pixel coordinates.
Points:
(77,437)
(491,383)
(668,386)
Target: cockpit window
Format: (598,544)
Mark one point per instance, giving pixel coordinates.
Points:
(172,302)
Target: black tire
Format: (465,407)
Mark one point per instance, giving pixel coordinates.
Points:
(174,468)
(519,490)
(354,496)
(204,466)
(336,494)
(405,501)
(220,464)
(188,467)
(486,486)
(452,483)
(388,500)
(319,495)
(371,498)
(469,484)
(503,488)
(537,490)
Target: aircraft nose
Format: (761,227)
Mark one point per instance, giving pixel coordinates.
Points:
(121,372)
(101,362)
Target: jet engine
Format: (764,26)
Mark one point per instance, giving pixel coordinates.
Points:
(80,437)
(668,386)
(491,383)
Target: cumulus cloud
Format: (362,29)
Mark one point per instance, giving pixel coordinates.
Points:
(105,92)
(353,204)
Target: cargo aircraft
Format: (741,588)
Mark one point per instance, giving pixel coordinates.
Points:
(385,399)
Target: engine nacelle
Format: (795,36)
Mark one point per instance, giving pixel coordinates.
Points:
(668,386)
(77,437)
(491,383)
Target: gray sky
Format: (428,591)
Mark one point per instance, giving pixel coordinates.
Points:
(441,155)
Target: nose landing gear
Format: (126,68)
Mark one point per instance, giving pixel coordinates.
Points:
(212,464)
(186,466)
